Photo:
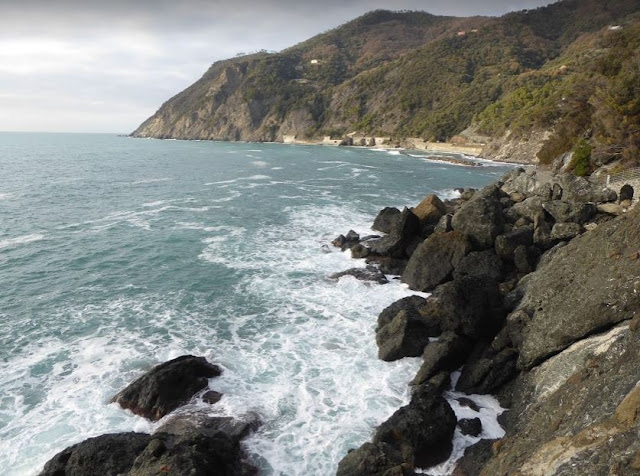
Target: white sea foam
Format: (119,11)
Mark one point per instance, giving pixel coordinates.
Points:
(488,413)
(5,195)
(21,240)
(151,180)
(260,163)
(448,194)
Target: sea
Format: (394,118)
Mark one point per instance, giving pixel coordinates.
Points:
(117,254)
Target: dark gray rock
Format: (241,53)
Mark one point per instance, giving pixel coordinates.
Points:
(435,259)
(388,265)
(405,336)
(542,231)
(444,224)
(470,306)
(525,258)
(470,426)
(386,219)
(557,192)
(448,354)
(582,190)
(105,455)
(467,194)
(506,244)
(371,460)
(565,212)
(167,386)
(474,458)
(467,402)
(480,263)
(545,192)
(528,208)
(402,233)
(481,218)
(519,180)
(566,231)
(370,273)
(212,397)
(490,372)
(421,431)
(587,286)
(411,304)
(360,251)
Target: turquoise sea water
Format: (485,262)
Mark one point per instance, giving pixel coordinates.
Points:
(117,254)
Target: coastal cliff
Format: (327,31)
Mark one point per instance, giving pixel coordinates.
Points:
(532,84)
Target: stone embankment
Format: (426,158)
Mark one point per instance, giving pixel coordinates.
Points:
(535,295)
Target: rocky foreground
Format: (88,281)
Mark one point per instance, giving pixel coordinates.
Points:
(535,296)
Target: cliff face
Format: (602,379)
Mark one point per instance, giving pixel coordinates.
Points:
(567,69)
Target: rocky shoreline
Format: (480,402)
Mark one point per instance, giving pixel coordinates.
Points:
(533,284)
(534,299)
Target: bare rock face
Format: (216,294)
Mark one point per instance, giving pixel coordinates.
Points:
(435,259)
(577,413)
(588,285)
(167,386)
(481,218)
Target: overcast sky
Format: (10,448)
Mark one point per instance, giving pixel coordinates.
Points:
(105,66)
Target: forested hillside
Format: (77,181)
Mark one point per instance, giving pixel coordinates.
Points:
(570,69)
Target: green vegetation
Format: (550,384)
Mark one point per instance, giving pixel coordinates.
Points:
(581,159)
(559,69)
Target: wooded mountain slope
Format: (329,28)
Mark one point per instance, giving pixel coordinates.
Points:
(570,68)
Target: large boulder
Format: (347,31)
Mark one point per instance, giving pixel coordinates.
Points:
(519,180)
(207,449)
(565,212)
(403,232)
(405,336)
(588,285)
(448,353)
(481,218)
(386,219)
(469,306)
(489,372)
(167,386)
(410,304)
(582,190)
(528,208)
(507,243)
(435,259)
(421,431)
(430,210)
(105,455)
(372,460)
(480,263)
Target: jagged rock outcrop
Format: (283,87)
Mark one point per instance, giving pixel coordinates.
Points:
(167,386)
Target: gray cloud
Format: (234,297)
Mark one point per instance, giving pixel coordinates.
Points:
(106,66)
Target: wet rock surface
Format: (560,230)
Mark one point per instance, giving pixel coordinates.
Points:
(167,386)
(532,285)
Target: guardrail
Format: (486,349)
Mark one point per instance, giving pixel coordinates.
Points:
(629,175)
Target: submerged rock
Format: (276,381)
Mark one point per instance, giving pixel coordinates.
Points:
(370,273)
(167,386)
